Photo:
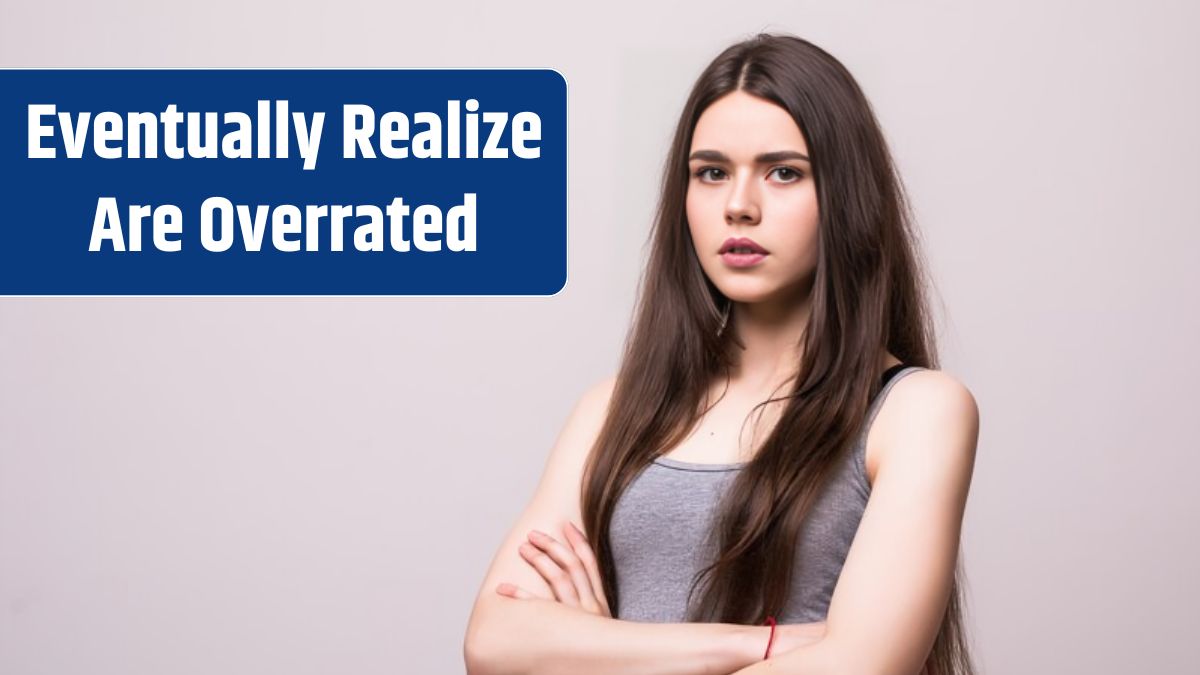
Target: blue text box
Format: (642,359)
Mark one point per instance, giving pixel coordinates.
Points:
(465,193)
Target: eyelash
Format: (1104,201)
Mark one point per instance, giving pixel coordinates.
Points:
(702,171)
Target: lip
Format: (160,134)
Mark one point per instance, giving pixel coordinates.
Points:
(742,242)
(742,259)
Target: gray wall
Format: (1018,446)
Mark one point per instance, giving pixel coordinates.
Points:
(209,485)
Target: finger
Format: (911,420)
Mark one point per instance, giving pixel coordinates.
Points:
(567,560)
(559,580)
(514,591)
(588,557)
(564,556)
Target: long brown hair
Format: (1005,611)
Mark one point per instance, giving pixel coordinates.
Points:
(867,296)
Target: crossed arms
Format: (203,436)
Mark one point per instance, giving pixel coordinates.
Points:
(884,614)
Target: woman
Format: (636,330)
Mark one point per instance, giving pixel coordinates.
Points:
(783,289)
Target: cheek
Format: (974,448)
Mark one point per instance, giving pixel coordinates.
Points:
(698,214)
(801,209)
(799,238)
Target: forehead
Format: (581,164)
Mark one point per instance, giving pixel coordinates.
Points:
(741,124)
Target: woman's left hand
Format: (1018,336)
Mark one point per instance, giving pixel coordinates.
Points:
(570,569)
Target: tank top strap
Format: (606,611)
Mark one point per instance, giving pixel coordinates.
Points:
(890,377)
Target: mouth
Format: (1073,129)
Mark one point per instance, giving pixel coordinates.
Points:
(741,246)
(741,252)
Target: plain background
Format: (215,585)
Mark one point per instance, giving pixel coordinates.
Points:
(317,485)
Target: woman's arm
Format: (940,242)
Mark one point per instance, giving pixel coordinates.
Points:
(534,636)
(530,636)
(569,567)
(890,598)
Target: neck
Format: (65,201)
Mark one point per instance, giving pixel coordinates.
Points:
(771,332)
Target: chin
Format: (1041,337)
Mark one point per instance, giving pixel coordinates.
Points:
(747,290)
(754,293)
(749,296)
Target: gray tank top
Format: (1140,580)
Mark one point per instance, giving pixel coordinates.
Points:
(660,522)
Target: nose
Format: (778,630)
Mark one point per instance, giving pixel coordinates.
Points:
(742,208)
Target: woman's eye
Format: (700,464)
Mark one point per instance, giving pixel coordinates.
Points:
(789,174)
(707,171)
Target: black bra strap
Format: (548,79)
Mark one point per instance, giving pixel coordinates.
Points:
(887,374)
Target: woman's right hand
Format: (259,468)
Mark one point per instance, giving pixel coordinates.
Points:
(570,569)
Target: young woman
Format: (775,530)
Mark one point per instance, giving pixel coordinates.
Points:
(783,290)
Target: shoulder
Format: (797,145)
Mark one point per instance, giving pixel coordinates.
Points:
(591,408)
(936,390)
(585,420)
(929,415)
(596,397)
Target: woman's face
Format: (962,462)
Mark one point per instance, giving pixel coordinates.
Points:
(751,178)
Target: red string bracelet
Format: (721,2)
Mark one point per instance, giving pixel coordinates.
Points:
(770,620)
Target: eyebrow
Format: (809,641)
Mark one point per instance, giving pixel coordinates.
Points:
(764,158)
